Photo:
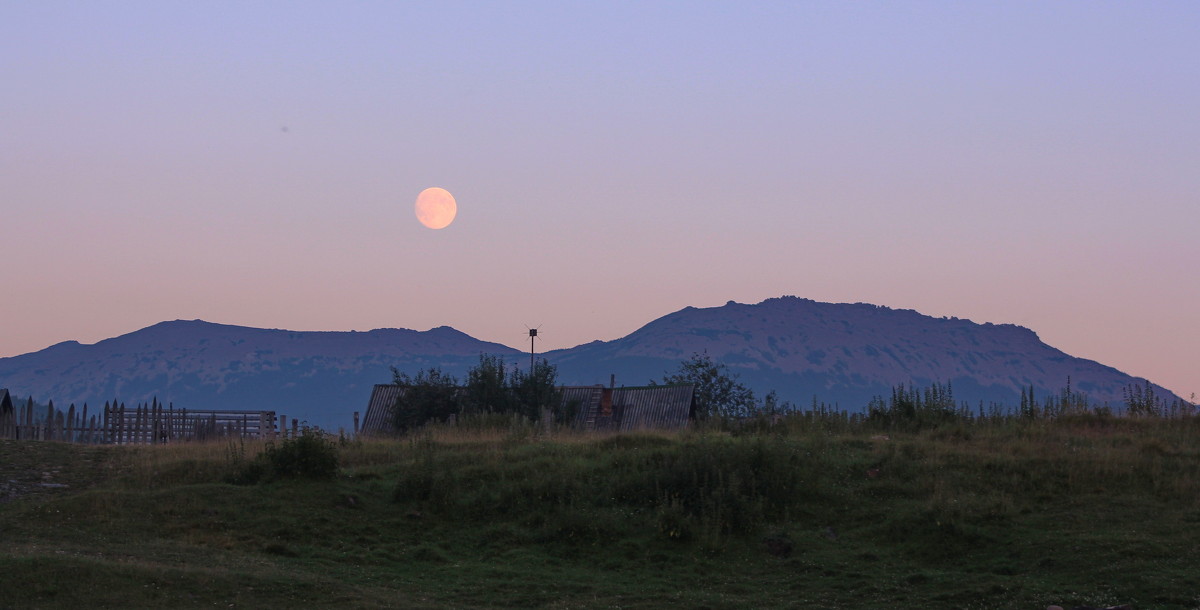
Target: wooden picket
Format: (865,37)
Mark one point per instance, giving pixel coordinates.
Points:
(144,424)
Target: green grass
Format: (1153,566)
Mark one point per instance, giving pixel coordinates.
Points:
(988,514)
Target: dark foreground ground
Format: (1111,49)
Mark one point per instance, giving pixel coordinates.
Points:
(1082,512)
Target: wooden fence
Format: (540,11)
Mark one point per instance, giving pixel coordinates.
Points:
(143,424)
(154,424)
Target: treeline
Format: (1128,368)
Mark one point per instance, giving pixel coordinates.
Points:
(722,401)
(490,387)
(910,407)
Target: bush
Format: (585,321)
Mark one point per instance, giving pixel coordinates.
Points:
(310,456)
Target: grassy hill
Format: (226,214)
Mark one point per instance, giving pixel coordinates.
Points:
(822,512)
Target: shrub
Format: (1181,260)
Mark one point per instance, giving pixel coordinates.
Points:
(310,456)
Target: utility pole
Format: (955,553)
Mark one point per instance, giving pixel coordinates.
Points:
(532,336)
(536,406)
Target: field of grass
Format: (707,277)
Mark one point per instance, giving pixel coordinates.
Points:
(813,513)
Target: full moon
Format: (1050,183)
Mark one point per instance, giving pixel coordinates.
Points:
(436,208)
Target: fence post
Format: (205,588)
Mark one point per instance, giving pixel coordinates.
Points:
(55,430)
(66,433)
(48,422)
(157,426)
(6,419)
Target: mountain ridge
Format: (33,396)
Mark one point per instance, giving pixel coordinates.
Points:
(837,353)
(316,376)
(840,354)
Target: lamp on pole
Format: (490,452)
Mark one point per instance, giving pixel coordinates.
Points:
(532,336)
(532,379)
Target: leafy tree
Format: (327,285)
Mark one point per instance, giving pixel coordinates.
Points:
(490,388)
(718,391)
(487,389)
(430,396)
(534,390)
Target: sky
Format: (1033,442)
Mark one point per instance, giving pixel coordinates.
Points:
(256,163)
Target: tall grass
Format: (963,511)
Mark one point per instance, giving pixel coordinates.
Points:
(710,484)
(702,486)
(970,512)
(718,480)
(187,463)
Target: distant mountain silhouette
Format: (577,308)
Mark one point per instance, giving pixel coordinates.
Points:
(847,353)
(839,353)
(318,377)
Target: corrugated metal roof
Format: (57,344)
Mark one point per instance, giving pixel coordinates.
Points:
(585,400)
(663,407)
(667,407)
(378,419)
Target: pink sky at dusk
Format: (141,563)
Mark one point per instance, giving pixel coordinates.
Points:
(257,164)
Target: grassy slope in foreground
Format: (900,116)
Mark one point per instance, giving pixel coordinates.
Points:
(1085,511)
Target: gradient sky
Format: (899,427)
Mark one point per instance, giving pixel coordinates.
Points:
(256,163)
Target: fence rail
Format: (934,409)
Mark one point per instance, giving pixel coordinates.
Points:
(144,424)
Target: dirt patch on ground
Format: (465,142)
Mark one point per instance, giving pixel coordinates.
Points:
(32,468)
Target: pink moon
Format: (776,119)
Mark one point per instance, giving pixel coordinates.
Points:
(436,208)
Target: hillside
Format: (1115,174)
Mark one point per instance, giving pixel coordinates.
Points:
(847,353)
